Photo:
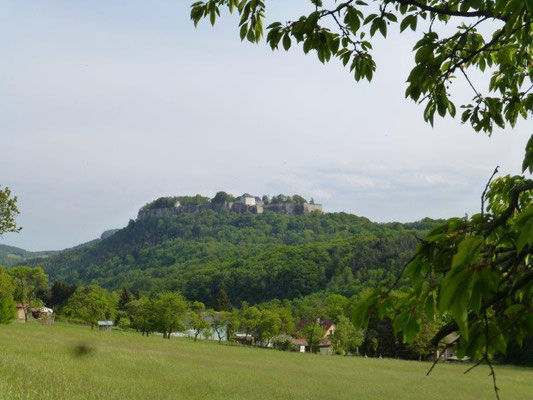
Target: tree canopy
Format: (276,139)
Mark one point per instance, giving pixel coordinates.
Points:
(7,305)
(8,211)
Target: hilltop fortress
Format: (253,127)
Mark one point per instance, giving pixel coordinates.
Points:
(166,206)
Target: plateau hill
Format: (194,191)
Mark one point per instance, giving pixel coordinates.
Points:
(252,256)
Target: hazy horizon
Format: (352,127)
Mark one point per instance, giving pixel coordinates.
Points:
(109,106)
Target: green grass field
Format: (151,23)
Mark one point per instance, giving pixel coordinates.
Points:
(40,362)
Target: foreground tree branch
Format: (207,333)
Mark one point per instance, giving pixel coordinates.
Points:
(476,271)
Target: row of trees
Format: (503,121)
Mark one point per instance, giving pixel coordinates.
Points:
(20,285)
(274,322)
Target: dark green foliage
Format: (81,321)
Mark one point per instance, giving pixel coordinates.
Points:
(519,355)
(222,197)
(251,257)
(90,304)
(8,211)
(7,310)
(124,299)
(10,255)
(7,304)
(169,202)
(478,271)
(60,293)
(222,302)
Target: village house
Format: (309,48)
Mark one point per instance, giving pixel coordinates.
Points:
(445,351)
(249,200)
(325,346)
(105,326)
(42,313)
(21,315)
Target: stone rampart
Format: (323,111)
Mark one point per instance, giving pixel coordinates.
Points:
(281,208)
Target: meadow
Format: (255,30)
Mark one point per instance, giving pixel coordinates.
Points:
(73,362)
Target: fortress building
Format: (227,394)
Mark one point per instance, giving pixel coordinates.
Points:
(242,204)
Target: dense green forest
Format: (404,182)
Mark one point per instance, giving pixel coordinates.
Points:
(252,257)
(10,255)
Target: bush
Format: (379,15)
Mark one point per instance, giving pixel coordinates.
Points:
(282,342)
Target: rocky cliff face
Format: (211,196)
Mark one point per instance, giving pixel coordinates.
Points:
(281,208)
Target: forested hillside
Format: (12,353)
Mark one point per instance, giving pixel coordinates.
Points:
(10,255)
(251,257)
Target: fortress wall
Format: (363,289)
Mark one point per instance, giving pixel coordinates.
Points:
(282,208)
(309,208)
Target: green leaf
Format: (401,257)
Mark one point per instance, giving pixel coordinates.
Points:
(460,315)
(383,27)
(243,31)
(460,301)
(525,226)
(514,309)
(286,42)
(449,286)
(468,250)
(528,159)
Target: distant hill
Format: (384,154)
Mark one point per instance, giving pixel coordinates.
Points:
(10,255)
(253,257)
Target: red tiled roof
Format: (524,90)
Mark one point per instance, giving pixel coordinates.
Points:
(300,342)
(325,324)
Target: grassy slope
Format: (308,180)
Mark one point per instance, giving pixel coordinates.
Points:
(39,363)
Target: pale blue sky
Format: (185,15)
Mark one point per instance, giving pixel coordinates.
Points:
(107,105)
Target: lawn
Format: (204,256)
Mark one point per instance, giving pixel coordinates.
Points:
(72,362)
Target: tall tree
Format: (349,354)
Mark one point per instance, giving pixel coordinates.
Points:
(143,314)
(171,311)
(8,211)
(90,304)
(28,281)
(60,293)
(222,302)
(269,326)
(313,333)
(124,298)
(220,322)
(197,319)
(346,337)
(7,304)
(249,319)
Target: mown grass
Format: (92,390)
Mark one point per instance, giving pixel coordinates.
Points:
(72,362)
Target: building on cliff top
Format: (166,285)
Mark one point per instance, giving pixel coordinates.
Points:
(242,204)
(249,200)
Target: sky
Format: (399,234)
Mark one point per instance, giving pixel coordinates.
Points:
(107,105)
